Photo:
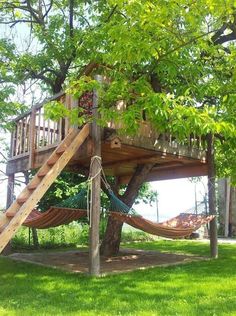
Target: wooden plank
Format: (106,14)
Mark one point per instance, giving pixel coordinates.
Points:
(44,131)
(94,255)
(59,136)
(38,145)
(24,122)
(227,207)
(20,136)
(32,138)
(171,173)
(17,139)
(46,182)
(49,133)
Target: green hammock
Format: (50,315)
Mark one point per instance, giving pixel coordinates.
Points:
(80,200)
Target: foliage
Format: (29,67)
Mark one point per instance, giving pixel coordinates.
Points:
(69,236)
(206,287)
(69,184)
(173,64)
(66,185)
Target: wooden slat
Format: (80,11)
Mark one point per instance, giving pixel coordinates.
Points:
(44,133)
(39,129)
(32,138)
(49,133)
(46,182)
(17,138)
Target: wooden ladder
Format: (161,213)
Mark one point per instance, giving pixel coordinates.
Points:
(15,215)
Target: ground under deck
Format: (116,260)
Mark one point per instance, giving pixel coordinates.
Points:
(127,260)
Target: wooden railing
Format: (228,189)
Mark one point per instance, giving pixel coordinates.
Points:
(33,132)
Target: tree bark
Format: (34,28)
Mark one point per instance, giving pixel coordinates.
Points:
(111,241)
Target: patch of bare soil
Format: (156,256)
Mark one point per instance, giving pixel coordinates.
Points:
(127,260)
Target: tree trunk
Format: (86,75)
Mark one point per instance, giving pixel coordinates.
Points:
(111,241)
(35,238)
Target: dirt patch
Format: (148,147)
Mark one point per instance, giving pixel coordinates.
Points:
(127,260)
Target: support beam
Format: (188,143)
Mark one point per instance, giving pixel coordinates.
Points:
(171,173)
(212,195)
(94,251)
(32,138)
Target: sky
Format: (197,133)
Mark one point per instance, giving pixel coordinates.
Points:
(174,197)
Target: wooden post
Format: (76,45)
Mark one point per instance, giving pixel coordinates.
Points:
(94,255)
(32,138)
(211,196)
(227,206)
(157,207)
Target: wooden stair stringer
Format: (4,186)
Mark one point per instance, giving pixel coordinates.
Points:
(11,225)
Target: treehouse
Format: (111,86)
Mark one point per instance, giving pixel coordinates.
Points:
(48,146)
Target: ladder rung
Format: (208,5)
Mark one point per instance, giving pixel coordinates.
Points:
(22,200)
(61,150)
(53,160)
(10,214)
(42,173)
(32,186)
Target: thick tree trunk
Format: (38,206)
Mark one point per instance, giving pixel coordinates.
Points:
(111,241)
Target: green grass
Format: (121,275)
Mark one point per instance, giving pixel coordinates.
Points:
(67,236)
(198,288)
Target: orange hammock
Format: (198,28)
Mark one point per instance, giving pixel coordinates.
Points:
(53,217)
(180,226)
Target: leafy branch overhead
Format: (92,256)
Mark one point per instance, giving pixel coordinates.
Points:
(173,65)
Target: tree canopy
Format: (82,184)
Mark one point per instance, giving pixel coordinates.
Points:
(173,59)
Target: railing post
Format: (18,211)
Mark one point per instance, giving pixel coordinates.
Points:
(74,104)
(32,138)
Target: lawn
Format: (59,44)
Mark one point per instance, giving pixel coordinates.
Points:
(198,288)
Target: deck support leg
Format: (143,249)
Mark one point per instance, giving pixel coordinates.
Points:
(94,251)
(212,196)
(10,199)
